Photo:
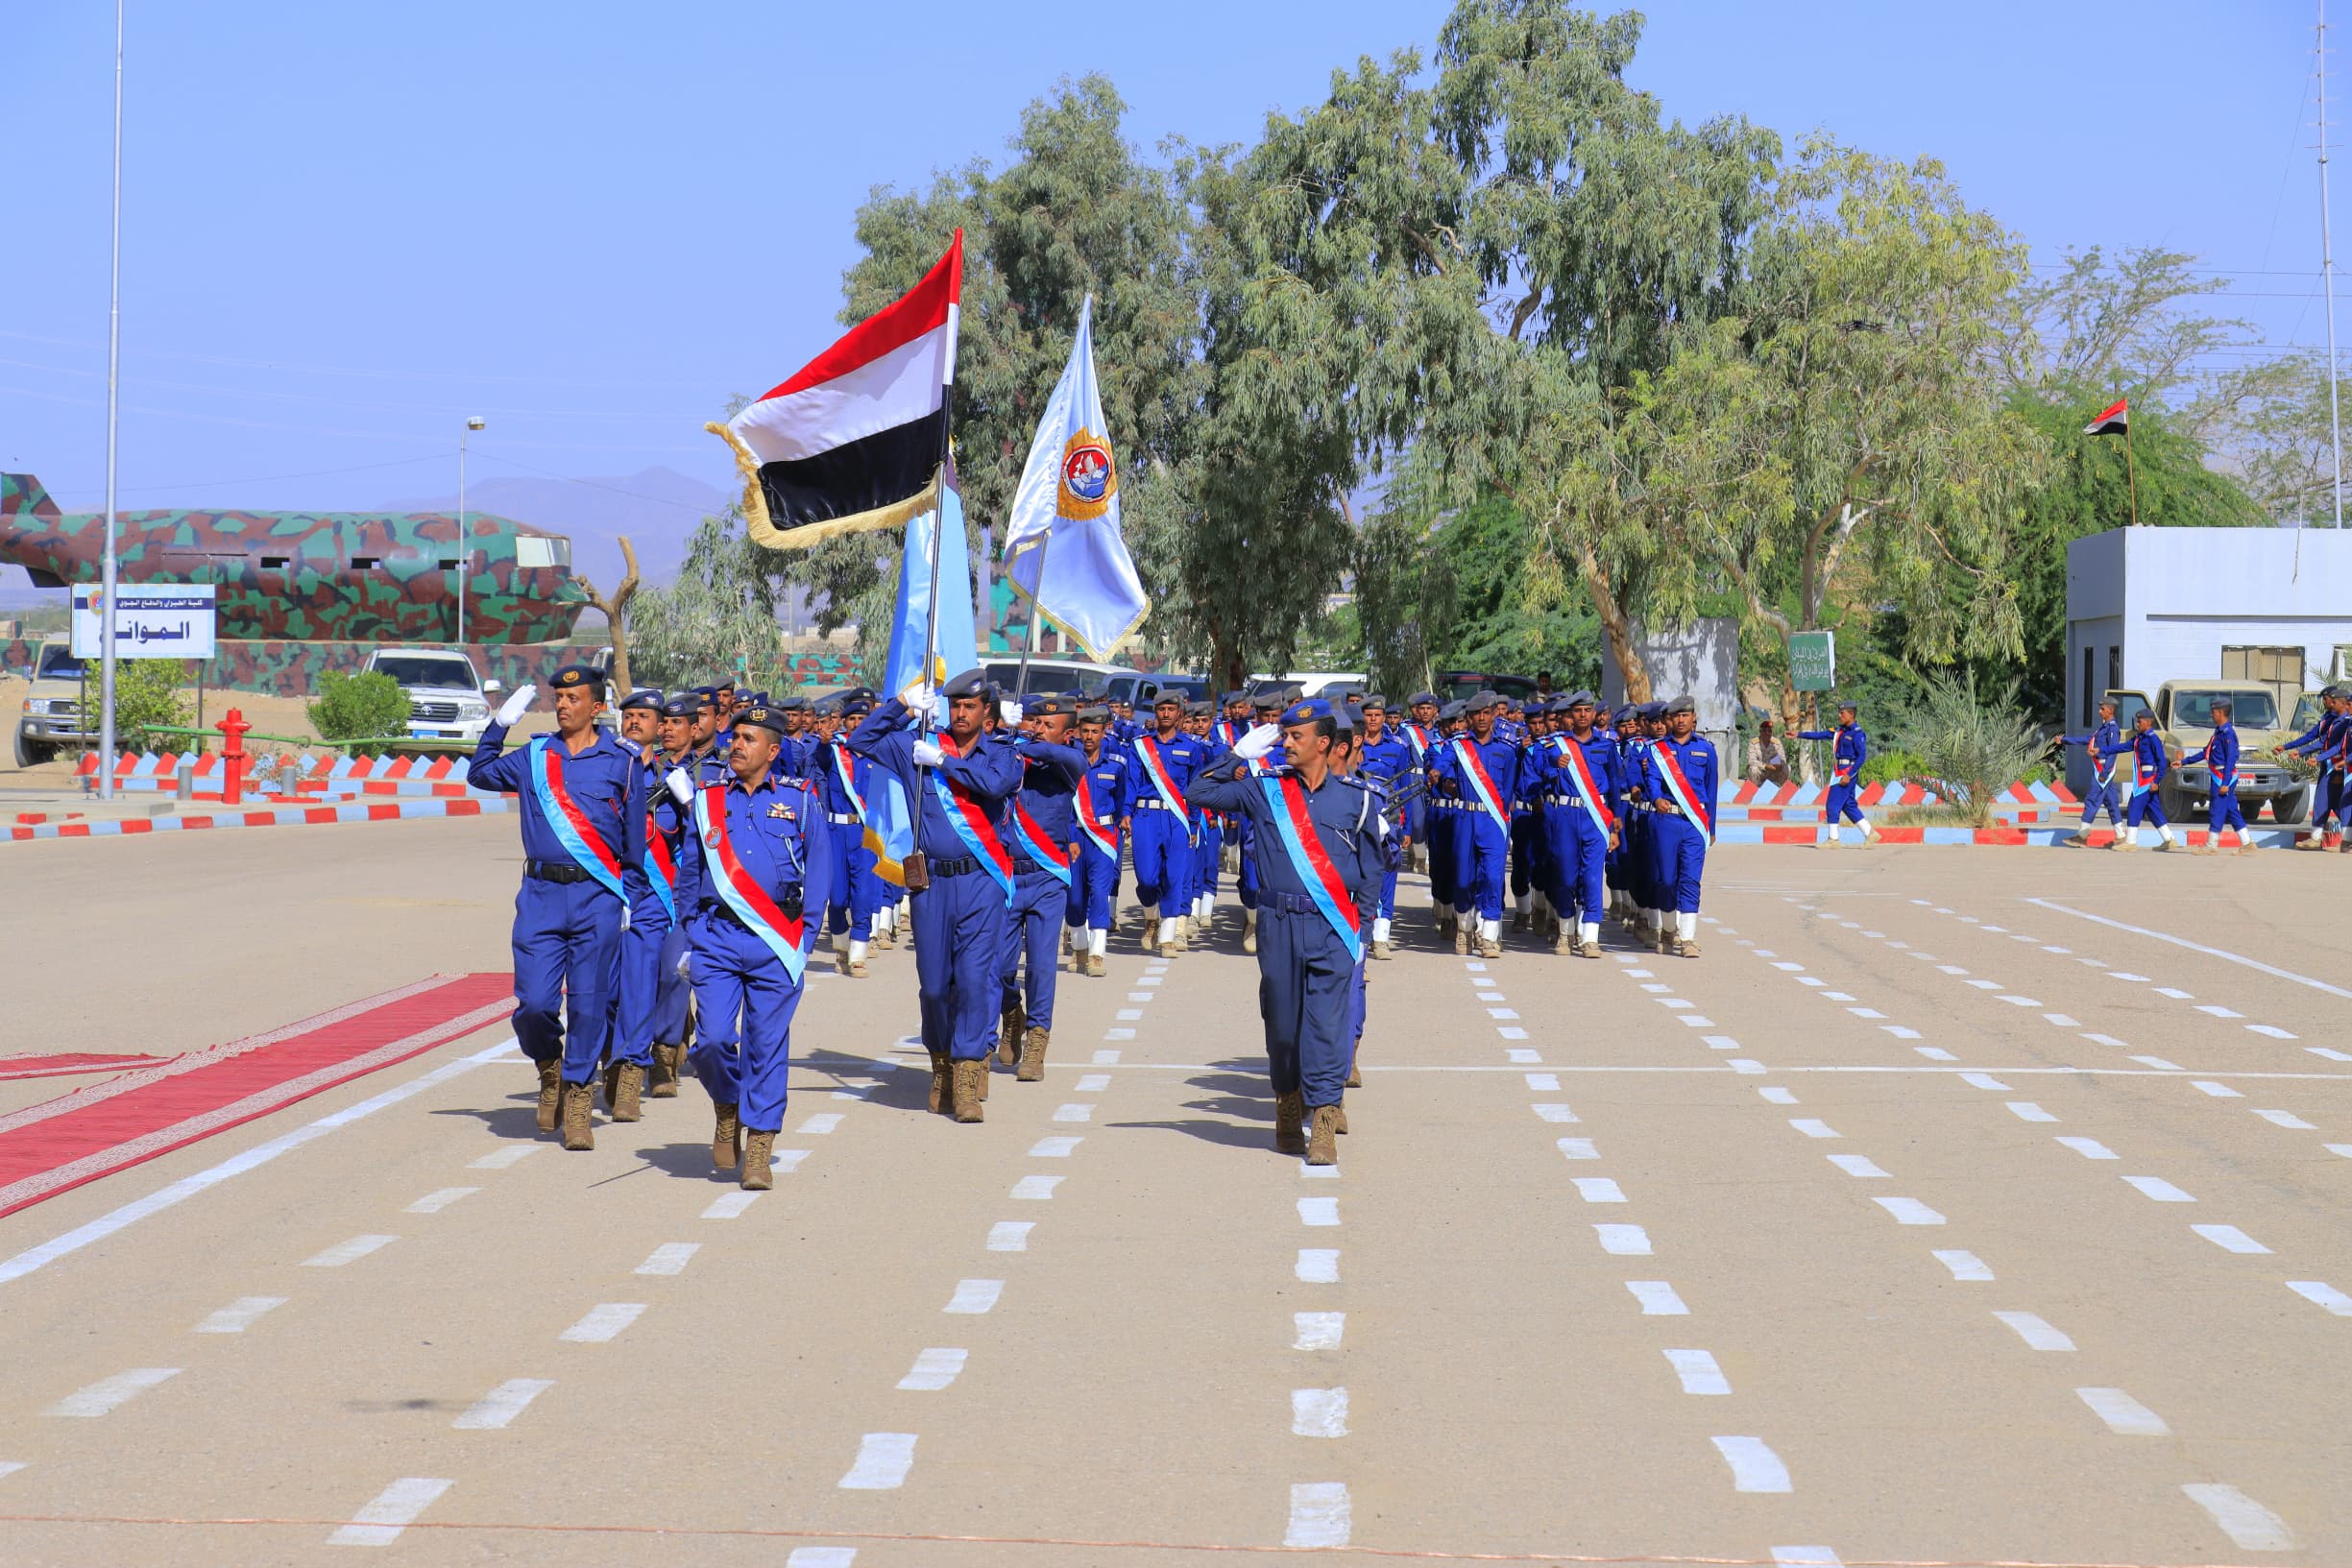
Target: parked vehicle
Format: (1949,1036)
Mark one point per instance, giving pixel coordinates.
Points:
(52,717)
(2184,717)
(1470,683)
(446,696)
(1105,682)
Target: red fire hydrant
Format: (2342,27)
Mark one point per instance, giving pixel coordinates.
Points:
(233,728)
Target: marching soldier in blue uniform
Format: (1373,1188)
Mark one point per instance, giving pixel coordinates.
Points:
(959,779)
(1320,836)
(1163,763)
(1419,732)
(582,806)
(2220,755)
(1098,810)
(2103,793)
(1445,824)
(2149,764)
(1851,749)
(1583,799)
(2329,744)
(637,988)
(842,780)
(1682,774)
(1480,771)
(755,847)
(673,1019)
(1043,823)
(1208,833)
(1390,761)
(1266,707)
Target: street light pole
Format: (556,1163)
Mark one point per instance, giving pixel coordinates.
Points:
(114,365)
(463,549)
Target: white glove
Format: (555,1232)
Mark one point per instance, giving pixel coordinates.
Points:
(685,959)
(923,702)
(927,753)
(1261,739)
(517,705)
(1009,711)
(681,787)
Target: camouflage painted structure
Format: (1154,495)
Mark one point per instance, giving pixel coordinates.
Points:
(327,577)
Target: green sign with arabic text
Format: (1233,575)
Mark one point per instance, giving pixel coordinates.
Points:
(1813,661)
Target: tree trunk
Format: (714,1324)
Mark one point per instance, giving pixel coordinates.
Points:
(616,611)
(1616,627)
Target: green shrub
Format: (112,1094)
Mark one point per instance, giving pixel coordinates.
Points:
(366,706)
(1889,765)
(146,694)
(1968,746)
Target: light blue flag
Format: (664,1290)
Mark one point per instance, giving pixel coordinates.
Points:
(1063,550)
(958,648)
(890,813)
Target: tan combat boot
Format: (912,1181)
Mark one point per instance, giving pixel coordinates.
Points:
(1323,1146)
(1461,941)
(1033,1056)
(1489,947)
(942,1091)
(757,1147)
(971,1088)
(1355,1076)
(1563,942)
(1096,966)
(550,1093)
(1342,1121)
(1008,1032)
(1663,943)
(1250,931)
(1384,949)
(726,1139)
(1687,947)
(621,1091)
(579,1118)
(1290,1124)
(662,1082)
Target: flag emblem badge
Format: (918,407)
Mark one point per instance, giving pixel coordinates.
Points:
(1088,478)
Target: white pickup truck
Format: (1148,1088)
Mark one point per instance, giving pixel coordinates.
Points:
(448,699)
(52,705)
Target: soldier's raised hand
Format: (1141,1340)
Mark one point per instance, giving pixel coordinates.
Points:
(1261,739)
(681,787)
(517,704)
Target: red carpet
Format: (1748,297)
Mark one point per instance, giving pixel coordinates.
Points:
(61,1064)
(57,1144)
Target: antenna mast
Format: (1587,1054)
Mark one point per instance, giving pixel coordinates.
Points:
(2327,273)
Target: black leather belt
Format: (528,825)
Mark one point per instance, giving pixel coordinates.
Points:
(955,868)
(555,871)
(791,902)
(1289,903)
(1022,862)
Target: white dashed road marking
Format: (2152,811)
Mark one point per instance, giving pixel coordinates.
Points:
(2230,1239)
(1755,1467)
(669,1258)
(435,1202)
(503,1404)
(2123,1414)
(1698,1371)
(1319,1265)
(729,1205)
(1964,1266)
(239,1315)
(1036,1188)
(884,1459)
(975,1295)
(1909,1211)
(1319,1330)
(1658,1298)
(1010,1234)
(2158,1189)
(1318,1413)
(2037,1334)
(2244,1521)
(109,1393)
(343,1252)
(933,1370)
(1320,1514)
(1319,1211)
(603,1322)
(390,1511)
(2321,1294)
(1624,1240)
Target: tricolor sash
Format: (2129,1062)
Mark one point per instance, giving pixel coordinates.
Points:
(1841,769)
(740,890)
(1588,787)
(1670,768)
(1035,843)
(1155,769)
(662,872)
(1107,843)
(1482,783)
(846,770)
(568,822)
(1287,799)
(970,823)
(1419,738)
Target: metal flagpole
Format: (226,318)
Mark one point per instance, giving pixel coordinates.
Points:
(2327,273)
(2131,472)
(1020,690)
(115,366)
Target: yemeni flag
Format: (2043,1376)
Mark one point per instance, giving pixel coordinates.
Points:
(855,439)
(2112,421)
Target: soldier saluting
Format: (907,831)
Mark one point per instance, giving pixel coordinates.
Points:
(582,799)
(1319,868)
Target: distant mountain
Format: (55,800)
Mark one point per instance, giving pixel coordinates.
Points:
(657,508)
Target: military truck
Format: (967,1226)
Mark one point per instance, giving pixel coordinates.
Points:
(52,718)
(2184,718)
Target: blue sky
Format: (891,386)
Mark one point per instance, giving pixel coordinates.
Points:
(346,228)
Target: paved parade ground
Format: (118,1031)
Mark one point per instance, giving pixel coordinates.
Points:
(1957,1206)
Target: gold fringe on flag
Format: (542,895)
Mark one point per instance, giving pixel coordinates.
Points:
(762,526)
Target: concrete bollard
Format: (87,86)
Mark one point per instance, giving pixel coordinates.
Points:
(184,782)
(287,775)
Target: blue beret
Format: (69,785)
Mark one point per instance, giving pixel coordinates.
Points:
(1848,705)
(761,716)
(1307,712)
(1374,699)
(970,683)
(1098,713)
(1483,701)
(1453,710)
(1420,697)
(1625,715)
(572,677)
(642,697)
(1167,694)
(1046,706)
(681,707)
(707,693)
(1583,699)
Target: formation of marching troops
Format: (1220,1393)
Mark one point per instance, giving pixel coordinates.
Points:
(2135,800)
(680,875)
